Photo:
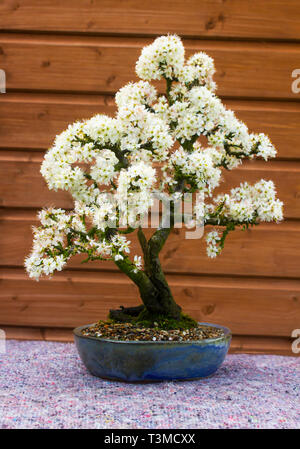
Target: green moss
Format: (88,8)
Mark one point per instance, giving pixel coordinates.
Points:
(145,319)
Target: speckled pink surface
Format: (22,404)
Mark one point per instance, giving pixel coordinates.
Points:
(45,385)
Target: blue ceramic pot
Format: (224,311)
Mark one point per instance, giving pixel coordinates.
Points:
(152,361)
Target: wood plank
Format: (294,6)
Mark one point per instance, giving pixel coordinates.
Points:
(39,117)
(22,333)
(23,186)
(240,344)
(69,299)
(62,335)
(268,250)
(274,19)
(36,333)
(50,63)
(29,188)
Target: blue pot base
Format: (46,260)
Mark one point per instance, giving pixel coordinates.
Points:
(149,361)
(114,379)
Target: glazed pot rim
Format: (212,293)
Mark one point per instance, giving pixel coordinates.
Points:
(226,330)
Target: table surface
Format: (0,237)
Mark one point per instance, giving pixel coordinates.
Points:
(44,385)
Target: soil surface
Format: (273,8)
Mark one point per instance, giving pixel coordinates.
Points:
(130,332)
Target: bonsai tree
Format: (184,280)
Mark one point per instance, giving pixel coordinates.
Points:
(151,149)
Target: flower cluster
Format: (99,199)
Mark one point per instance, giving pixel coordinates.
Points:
(81,143)
(196,113)
(163,58)
(134,193)
(49,241)
(103,171)
(144,134)
(150,146)
(263,145)
(198,168)
(62,235)
(120,245)
(213,239)
(104,214)
(199,70)
(136,94)
(247,203)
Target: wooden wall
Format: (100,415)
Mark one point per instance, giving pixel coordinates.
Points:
(64,61)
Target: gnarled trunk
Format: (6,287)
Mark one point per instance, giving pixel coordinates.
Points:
(152,284)
(154,290)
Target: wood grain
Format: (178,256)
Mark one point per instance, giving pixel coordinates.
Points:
(251,307)
(268,250)
(274,19)
(39,117)
(242,344)
(24,333)
(104,64)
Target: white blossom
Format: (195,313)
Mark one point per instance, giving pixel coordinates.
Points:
(213,239)
(199,70)
(113,167)
(103,171)
(137,261)
(134,193)
(265,148)
(142,129)
(141,93)
(165,57)
(247,203)
(197,167)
